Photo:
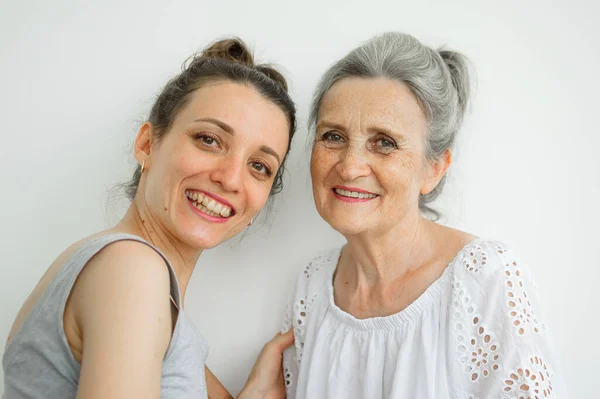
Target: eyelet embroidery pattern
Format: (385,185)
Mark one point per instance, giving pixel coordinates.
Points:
(475,258)
(301,309)
(315,264)
(287,374)
(287,318)
(287,324)
(477,350)
(521,311)
(532,382)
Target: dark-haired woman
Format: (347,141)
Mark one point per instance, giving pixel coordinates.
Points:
(107,319)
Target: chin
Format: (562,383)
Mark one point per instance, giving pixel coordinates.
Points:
(348,226)
(203,243)
(199,238)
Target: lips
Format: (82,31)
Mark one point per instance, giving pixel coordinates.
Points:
(350,193)
(215,207)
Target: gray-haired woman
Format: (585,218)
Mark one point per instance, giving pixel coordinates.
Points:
(408,308)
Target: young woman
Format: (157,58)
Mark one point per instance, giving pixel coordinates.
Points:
(107,319)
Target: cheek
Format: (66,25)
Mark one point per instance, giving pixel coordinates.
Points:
(188,162)
(321,163)
(170,170)
(399,175)
(257,196)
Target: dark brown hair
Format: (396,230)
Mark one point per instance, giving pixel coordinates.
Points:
(223,60)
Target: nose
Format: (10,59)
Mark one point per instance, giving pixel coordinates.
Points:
(228,173)
(353,163)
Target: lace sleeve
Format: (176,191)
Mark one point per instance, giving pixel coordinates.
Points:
(300,309)
(503,347)
(290,362)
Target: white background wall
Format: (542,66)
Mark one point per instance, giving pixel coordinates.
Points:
(76,79)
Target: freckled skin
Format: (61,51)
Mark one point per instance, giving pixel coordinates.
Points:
(362,109)
(371,135)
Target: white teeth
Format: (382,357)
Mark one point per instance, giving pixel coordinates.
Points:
(211,205)
(354,194)
(208,205)
(205,210)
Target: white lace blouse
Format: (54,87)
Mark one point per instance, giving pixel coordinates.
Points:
(475,333)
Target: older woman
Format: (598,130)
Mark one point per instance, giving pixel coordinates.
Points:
(107,319)
(408,308)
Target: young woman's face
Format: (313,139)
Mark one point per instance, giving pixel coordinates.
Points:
(212,172)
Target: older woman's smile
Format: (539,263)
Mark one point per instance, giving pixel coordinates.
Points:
(352,194)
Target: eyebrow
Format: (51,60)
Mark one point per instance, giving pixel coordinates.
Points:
(372,129)
(331,125)
(222,125)
(388,132)
(270,151)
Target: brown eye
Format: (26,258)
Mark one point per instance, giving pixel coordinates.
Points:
(261,168)
(207,139)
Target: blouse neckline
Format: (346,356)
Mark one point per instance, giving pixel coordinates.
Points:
(412,312)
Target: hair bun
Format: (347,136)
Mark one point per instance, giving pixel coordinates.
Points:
(458,66)
(233,49)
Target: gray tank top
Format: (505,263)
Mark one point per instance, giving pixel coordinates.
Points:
(38,362)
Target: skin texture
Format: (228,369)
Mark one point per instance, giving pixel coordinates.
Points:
(228,141)
(370,136)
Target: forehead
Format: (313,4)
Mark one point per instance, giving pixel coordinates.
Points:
(241,106)
(232,101)
(372,100)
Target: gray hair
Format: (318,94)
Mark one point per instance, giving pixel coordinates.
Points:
(439,79)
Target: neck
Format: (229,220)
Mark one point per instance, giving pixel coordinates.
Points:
(141,222)
(382,258)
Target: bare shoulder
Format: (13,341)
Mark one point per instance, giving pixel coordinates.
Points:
(125,265)
(121,292)
(122,318)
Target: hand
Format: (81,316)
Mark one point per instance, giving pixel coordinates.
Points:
(266,378)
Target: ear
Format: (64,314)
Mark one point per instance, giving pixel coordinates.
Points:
(435,171)
(143,144)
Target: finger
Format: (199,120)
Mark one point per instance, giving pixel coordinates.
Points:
(282,341)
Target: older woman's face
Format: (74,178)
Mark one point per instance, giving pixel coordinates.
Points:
(213,171)
(368,165)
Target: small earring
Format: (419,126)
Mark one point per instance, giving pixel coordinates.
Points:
(143,166)
(251,220)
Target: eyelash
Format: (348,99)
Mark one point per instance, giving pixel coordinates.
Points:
(201,136)
(389,140)
(268,172)
(328,135)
